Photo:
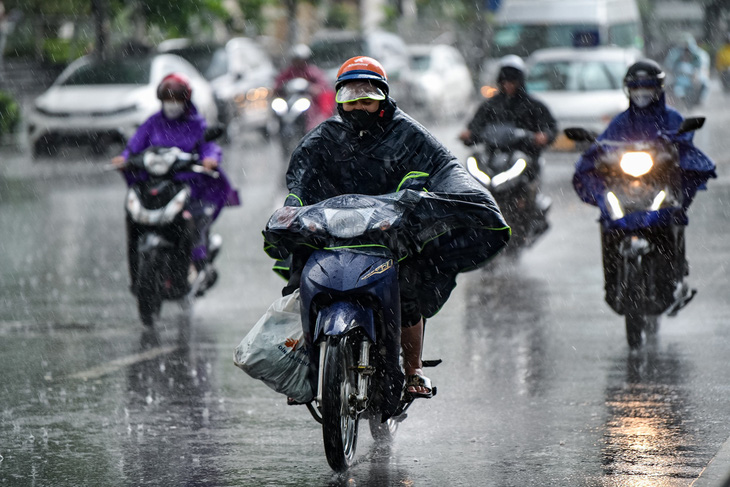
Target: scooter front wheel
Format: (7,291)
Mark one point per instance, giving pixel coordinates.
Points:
(149,301)
(339,415)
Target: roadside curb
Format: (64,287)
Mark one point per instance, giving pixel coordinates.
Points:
(717,472)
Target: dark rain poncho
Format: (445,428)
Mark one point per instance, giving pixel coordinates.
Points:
(398,154)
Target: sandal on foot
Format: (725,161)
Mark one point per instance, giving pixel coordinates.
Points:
(416,380)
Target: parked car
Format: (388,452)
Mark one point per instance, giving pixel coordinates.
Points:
(582,87)
(440,83)
(241,74)
(98,102)
(332,48)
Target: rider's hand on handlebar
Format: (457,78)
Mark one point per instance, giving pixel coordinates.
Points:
(118,161)
(466,137)
(541,139)
(209,163)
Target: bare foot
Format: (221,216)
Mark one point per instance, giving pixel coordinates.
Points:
(416,389)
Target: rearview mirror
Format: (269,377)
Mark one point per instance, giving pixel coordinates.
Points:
(691,124)
(578,134)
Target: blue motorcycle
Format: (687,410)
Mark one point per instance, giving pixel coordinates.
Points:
(641,237)
(350,306)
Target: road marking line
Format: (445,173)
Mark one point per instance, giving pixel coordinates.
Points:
(114,365)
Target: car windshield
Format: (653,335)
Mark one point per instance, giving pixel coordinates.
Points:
(200,56)
(524,39)
(575,76)
(218,65)
(420,62)
(126,71)
(329,54)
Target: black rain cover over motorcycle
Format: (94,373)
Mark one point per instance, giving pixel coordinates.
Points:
(453,223)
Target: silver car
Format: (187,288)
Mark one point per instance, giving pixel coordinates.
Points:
(102,102)
(582,87)
(440,82)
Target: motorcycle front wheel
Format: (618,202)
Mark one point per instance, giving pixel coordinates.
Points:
(637,319)
(339,415)
(149,301)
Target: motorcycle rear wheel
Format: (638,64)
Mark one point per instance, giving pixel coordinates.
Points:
(383,433)
(339,418)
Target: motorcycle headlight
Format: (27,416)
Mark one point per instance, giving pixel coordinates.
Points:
(517,168)
(159,164)
(134,205)
(301,105)
(279,105)
(615,205)
(636,163)
(311,224)
(175,206)
(479,175)
(347,223)
(658,200)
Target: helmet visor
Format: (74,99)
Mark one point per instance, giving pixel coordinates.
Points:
(359,90)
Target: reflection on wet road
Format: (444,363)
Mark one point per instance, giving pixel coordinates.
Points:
(537,385)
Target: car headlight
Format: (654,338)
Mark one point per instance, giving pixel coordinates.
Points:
(347,223)
(122,110)
(636,163)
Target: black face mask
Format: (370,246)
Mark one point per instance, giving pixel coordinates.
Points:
(360,120)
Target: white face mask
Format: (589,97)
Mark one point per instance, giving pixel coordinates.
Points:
(642,97)
(173,109)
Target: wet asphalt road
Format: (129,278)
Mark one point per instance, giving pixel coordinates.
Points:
(537,386)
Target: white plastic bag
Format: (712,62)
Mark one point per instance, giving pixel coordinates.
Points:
(274,350)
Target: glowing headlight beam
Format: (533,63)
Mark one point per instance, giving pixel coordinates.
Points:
(615,205)
(636,163)
(279,105)
(511,173)
(301,105)
(473,168)
(658,200)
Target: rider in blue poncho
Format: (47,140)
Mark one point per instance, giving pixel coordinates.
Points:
(647,118)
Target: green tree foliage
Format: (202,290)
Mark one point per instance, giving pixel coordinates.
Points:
(9,113)
(177,18)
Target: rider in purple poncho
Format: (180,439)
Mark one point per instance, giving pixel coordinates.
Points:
(178,124)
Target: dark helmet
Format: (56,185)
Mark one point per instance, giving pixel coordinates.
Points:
(645,74)
(175,86)
(511,68)
(362,68)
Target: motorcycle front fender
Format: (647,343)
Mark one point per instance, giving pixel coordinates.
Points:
(151,242)
(341,317)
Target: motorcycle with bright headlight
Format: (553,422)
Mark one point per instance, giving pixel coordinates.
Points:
(291,112)
(161,229)
(640,199)
(513,178)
